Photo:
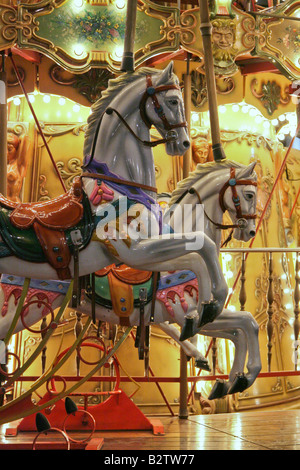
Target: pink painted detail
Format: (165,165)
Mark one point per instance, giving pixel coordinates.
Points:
(10,290)
(101,193)
(165,295)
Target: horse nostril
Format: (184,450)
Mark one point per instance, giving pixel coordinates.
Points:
(186,144)
(252,233)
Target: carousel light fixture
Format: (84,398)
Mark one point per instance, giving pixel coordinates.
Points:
(17,101)
(78,3)
(46,98)
(120,4)
(79,50)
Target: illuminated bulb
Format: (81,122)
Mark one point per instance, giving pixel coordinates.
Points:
(78,3)
(266,125)
(61,101)
(232,308)
(258,119)
(283,276)
(194,117)
(119,52)
(281,136)
(275,122)
(286,290)
(227,257)
(229,274)
(222,109)
(46,99)
(76,108)
(235,108)
(78,50)
(288,306)
(282,117)
(31,98)
(253,112)
(17,101)
(245,109)
(120,4)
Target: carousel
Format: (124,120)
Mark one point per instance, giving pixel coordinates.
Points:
(149,227)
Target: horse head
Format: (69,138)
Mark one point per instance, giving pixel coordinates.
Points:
(238,197)
(162,105)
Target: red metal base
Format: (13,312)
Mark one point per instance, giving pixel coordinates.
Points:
(117,413)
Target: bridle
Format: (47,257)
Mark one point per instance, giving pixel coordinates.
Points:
(171,135)
(151,92)
(242,219)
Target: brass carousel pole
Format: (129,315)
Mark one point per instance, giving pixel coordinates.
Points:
(3,129)
(128,54)
(206,32)
(183,388)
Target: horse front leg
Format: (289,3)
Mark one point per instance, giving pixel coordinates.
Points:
(242,329)
(168,253)
(189,349)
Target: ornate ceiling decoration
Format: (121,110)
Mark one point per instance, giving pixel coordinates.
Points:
(82,34)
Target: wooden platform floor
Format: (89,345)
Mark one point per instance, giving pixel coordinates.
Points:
(268,430)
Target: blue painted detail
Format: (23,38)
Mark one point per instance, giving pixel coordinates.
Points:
(52,286)
(179,277)
(232,182)
(151,90)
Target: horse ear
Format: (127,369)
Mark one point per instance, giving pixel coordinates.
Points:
(166,74)
(247,171)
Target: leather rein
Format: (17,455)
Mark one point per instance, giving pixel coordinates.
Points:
(151,92)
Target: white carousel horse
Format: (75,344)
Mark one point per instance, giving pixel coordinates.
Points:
(177,293)
(40,240)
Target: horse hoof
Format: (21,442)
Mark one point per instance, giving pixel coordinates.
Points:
(239,384)
(219,390)
(210,312)
(187,329)
(203,365)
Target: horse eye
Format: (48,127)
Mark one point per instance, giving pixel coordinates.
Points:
(249,196)
(174,102)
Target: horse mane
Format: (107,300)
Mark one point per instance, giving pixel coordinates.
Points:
(114,87)
(202,170)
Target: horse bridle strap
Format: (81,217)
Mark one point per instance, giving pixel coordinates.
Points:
(151,92)
(232,183)
(119,181)
(147,143)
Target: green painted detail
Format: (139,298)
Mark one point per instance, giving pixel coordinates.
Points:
(103,296)
(95,28)
(22,243)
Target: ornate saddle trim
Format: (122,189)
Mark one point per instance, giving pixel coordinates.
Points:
(39,232)
(60,213)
